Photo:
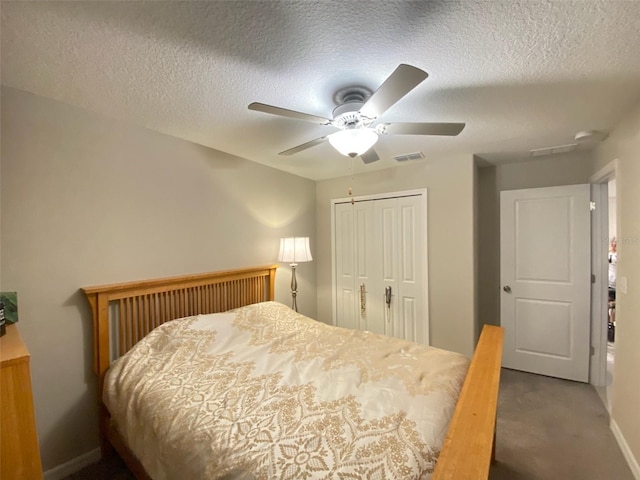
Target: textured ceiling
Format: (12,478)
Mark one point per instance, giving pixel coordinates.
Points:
(522,75)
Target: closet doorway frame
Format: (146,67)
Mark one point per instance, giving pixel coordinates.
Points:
(422,193)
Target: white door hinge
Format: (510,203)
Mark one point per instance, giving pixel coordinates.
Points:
(592,206)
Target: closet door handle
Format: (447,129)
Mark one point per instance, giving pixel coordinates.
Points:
(363,299)
(387,300)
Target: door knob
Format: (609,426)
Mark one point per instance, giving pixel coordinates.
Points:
(507,288)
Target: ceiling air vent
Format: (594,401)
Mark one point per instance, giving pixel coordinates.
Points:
(541,152)
(409,156)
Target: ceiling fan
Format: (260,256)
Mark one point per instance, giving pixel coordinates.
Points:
(357,111)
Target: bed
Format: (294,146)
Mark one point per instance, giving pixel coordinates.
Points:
(315,401)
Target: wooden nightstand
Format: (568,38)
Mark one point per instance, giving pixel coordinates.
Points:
(19,451)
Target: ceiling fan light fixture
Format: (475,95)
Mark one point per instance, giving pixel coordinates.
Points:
(353,142)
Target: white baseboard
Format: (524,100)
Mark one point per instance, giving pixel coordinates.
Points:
(72,466)
(626,451)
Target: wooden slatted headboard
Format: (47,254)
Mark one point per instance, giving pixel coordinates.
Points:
(123,313)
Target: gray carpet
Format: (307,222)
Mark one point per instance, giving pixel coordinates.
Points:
(548,429)
(554,429)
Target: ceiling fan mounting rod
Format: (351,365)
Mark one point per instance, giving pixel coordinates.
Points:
(352,94)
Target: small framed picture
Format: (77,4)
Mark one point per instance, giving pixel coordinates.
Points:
(9,307)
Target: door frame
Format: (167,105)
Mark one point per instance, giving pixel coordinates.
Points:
(599,268)
(422,193)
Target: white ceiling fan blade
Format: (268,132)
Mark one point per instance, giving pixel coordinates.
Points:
(304,146)
(448,129)
(283,112)
(370,156)
(403,79)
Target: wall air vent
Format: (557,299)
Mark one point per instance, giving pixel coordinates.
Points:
(541,152)
(409,156)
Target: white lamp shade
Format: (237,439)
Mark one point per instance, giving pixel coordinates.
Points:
(353,142)
(294,250)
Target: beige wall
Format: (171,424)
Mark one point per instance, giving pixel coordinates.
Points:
(568,169)
(565,169)
(87,200)
(623,144)
(450,196)
(488,204)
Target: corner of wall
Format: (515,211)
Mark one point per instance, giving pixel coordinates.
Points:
(476,251)
(626,450)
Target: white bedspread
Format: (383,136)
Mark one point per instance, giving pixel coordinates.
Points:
(264,392)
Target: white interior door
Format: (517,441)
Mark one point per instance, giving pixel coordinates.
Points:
(545,275)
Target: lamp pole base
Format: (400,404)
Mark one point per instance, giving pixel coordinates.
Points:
(294,286)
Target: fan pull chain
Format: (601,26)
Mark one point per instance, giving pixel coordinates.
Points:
(351,171)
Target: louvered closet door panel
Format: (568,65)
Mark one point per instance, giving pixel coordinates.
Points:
(346,295)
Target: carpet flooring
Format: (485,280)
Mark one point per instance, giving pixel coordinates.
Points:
(109,469)
(547,428)
(554,429)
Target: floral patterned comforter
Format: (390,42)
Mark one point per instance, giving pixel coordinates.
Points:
(264,392)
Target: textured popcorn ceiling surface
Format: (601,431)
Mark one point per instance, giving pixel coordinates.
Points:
(522,75)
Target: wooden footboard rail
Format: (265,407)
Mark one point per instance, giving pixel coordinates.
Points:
(469,448)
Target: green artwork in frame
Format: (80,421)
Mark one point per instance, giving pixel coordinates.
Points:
(10,302)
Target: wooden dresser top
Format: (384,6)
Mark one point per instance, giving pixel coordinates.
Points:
(12,349)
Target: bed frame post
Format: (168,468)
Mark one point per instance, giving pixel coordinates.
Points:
(103,359)
(272,282)
(100,313)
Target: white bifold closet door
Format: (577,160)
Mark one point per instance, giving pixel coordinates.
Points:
(380,266)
